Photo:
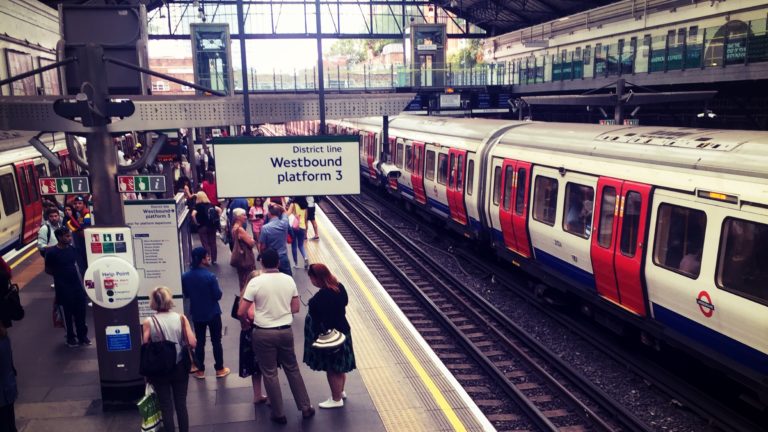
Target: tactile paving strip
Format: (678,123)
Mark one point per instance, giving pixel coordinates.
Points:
(409,385)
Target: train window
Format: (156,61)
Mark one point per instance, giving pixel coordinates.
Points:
(671,38)
(509,173)
(577,54)
(693,31)
(32,184)
(743,262)
(647,45)
(41,171)
(399,158)
(408,158)
(460,173)
(681,33)
(496,185)
(430,165)
(452,171)
(607,217)
(442,168)
(579,201)
(8,194)
(630,224)
(520,194)
(587,54)
(23,192)
(545,200)
(679,239)
(470,176)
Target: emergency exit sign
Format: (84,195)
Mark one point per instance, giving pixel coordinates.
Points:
(141,183)
(64,185)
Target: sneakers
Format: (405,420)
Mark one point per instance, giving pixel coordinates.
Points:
(306,263)
(330,403)
(199,374)
(296,266)
(221,373)
(72,343)
(307,413)
(86,341)
(343,395)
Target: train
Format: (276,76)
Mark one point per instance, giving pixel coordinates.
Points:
(20,168)
(657,229)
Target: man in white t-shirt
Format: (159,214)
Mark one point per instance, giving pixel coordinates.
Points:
(275,300)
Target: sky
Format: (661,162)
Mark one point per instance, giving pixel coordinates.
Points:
(278,54)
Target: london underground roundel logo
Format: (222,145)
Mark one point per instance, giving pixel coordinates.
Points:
(705,304)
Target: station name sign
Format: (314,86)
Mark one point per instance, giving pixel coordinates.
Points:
(287,166)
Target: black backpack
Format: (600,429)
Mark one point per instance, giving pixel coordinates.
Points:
(213,217)
(158,359)
(10,305)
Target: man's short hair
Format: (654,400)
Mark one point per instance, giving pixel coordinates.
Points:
(270,259)
(51,210)
(60,232)
(275,210)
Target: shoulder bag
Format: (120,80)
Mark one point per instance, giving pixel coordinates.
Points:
(242,255)
(329,339)
(157,358)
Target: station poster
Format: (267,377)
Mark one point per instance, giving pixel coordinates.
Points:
(156,248)
(287,166)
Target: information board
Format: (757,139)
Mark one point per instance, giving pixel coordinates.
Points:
(101,242)
(64,185)
(287,166)
(156,245)
(140,183)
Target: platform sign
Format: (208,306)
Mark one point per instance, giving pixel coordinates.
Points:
(155,239)
(101,242)
(118,338)
(287,166)
(141,183)
(64,185)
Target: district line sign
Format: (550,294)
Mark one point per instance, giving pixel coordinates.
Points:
(287,166)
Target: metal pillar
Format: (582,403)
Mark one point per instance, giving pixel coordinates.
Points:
(385,139)
(321,86)
(618,112)
(244,67)
(121,384)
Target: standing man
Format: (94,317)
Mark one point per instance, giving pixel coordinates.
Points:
(77,225)
(64,263)
(275,299)
(45,235)
(201,287)
(274,235)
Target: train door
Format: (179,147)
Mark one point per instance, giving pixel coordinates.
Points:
(373,156)
(417,174)
(30,205)
(457,162)
(617,249)
(520,213)
(391,158)
(505,209)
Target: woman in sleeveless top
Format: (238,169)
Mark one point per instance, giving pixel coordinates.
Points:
(297,208)
(171,390)
(240,234)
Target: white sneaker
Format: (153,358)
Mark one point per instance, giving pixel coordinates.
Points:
(296,266)
(343,395)
(330,403)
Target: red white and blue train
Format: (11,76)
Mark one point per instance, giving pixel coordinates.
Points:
(21,166)
(662,228)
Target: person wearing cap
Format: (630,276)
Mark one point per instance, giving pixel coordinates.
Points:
(275,299)
(79,221)
(201,287)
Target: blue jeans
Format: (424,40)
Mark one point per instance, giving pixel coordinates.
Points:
(298,242)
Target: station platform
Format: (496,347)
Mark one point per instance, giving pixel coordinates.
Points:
(399,384)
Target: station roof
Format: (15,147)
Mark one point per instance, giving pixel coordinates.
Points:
(503,16)
(494,16)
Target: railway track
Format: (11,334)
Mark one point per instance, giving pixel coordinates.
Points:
(514,380)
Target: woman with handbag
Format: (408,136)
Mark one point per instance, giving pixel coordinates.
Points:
(327,312)
(171,326)
(242,257)
(297,217)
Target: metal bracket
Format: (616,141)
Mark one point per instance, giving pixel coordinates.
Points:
(173,112)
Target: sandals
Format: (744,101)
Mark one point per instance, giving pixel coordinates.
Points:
(262,400)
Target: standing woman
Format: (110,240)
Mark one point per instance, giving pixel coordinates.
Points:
(249,366)
(171,390)
(206,227)
(298,208)
(326,312)
(257,214)
(246,263)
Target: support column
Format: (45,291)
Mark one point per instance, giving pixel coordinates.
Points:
(321,86)
(244,67)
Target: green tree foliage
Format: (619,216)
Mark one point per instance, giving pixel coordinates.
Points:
(359,50)
(471,55)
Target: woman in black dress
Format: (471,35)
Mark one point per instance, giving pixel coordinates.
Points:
(326,312)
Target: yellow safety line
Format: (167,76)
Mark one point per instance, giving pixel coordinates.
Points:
(26,255)
(450,414)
